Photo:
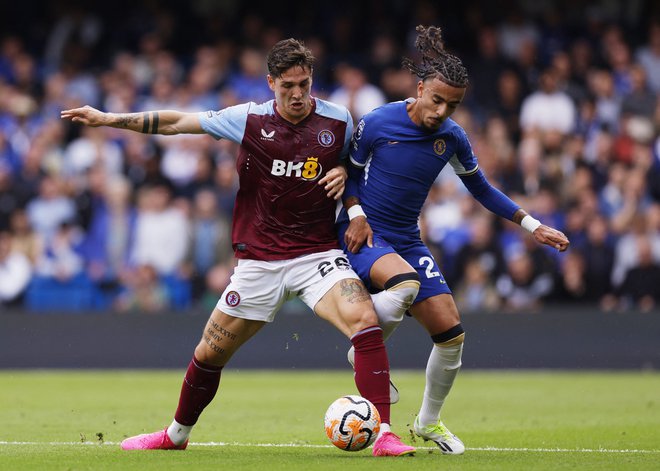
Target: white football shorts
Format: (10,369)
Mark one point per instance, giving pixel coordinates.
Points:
(258,288)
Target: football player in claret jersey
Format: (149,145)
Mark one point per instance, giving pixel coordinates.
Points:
(396,154)
(283,235)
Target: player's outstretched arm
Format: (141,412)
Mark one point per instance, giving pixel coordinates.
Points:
(148,122)
(542,233)
(335,181)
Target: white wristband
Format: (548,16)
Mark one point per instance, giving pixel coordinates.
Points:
(355,211)
(530,224)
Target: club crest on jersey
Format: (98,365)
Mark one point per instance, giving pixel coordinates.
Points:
(326,138)
(233,298)
(267,136)
(308,170)
(439,146)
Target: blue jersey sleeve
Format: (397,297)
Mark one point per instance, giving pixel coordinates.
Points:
(464,161)
(489,196)
(360,151)
(228,123)
(362,142)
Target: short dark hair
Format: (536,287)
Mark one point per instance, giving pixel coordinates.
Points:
(288,53)
(436,61)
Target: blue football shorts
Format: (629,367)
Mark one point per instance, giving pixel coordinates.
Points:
(411,249)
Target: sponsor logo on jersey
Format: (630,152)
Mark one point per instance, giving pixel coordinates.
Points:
(308,170)
(326,138)
(233,298)
(267,136)
(439,146)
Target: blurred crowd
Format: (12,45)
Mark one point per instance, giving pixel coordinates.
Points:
(563,112)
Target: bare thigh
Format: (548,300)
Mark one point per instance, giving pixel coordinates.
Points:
(348,307)
(386,267)
(436,314)
(222,337)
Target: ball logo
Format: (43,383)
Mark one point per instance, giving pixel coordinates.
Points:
(233,298)
(439,146)
(326,138)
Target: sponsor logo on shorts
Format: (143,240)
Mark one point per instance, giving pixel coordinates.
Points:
(439,146)
(326,138)
(233,298)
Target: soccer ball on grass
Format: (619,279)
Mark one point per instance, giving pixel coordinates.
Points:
(352,423)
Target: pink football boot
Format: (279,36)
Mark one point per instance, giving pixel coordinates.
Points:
(152,441)
(390,445)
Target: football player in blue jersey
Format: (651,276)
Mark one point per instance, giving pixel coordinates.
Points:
(396,154)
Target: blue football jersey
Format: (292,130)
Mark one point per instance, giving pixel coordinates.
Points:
(401,161)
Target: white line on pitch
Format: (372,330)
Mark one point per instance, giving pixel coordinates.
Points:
(307,445)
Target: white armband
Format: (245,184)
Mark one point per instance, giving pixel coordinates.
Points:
(530,224)
(355,211)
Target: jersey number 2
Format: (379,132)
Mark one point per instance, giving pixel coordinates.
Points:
(428,262)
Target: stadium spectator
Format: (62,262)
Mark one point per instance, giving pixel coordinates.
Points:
(598,252)
(15,271)
(109,240)
(475,292)
(283,234)
(548,112)
(61,258)
(161,231)
(354,92)
(25,240)
(521,287)
(51,208)
(481,250)
(211,239)
(640,285)
(144,292)
(648,56)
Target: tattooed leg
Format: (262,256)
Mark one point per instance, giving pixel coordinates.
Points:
(222,337)
(348,307)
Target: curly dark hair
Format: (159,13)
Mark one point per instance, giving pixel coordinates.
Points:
(288,53)
(436,61)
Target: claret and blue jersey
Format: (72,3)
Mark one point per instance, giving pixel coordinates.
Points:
(281,212)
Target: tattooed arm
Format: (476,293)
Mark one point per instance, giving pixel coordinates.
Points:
(148,122)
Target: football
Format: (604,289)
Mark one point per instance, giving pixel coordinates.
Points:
(352,423)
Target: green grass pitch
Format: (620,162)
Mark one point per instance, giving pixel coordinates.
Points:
(272,420)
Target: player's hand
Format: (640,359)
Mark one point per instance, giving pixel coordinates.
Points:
(335,182)
(552,237)
(86,115)
(357,233)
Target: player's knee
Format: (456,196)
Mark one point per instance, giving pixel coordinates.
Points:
(403,288)
(450,338)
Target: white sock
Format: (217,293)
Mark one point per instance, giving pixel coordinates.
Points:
(391,304)
(383,428)
(441,370)
(178,433)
